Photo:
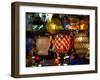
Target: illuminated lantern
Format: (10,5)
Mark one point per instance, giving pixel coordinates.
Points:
(83,25)
(62,43)
(52,27)
(84,22)
(74,22)
(81,44)
(54,24)
(43,44)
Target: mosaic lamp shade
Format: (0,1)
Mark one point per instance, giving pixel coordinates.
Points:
(81,44)
(62,43)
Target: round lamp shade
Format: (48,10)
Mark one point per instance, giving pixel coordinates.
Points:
(43,44)
(62,43)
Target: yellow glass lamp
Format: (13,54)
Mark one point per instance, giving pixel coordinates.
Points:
(54,25)
(81,43)
(84,24)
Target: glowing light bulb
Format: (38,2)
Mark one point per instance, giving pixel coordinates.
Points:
(82,26)
(53,27)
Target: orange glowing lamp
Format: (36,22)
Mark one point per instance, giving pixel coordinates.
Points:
(62,43)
